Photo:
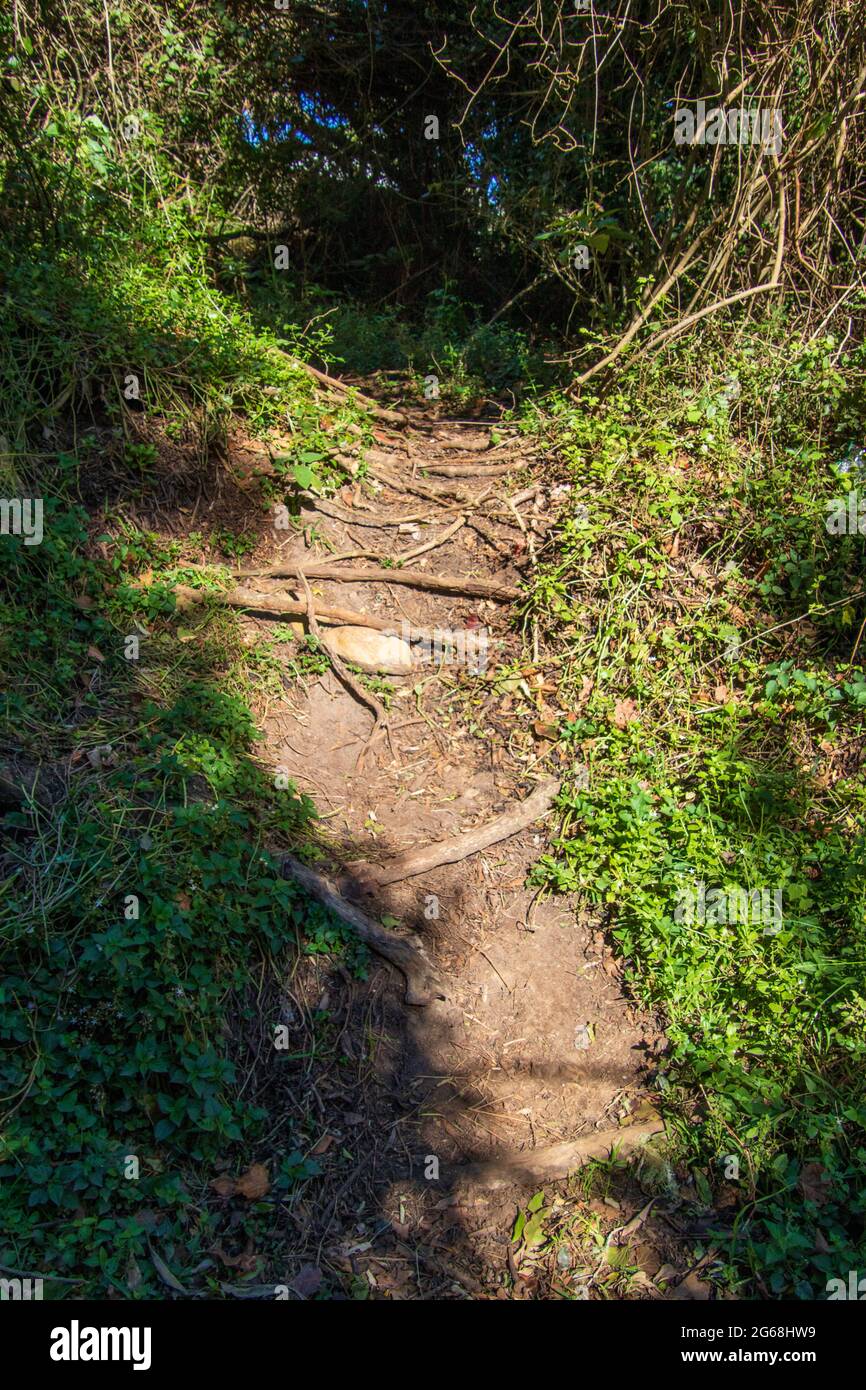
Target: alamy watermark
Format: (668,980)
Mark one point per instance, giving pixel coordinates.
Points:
(22,516)
(846,516)
(20,1290)
(728,125)
(853,1291)
(730,906)
(448,646)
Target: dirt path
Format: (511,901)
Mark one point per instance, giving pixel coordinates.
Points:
(534,1044)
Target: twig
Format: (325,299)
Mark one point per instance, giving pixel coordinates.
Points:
(432,545)
(365,697)
(530,541)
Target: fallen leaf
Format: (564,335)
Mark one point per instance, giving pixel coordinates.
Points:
(247,1260)
(307,1281)
(254,1183)
(644,1113)
(691,1288)
(546,731)
(95,654)
(165,1273)
(813,1183)
(323,1145)
(624,713)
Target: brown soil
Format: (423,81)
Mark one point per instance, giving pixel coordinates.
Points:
(536,1042)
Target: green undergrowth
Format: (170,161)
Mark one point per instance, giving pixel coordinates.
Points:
(713,727)
(141,907)
(446,342)
(137,907)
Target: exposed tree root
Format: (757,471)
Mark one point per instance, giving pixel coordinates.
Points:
(457,847)
(471,470)
(360,574)
(423,983)
(536,1166)
(364,697)
(281,606)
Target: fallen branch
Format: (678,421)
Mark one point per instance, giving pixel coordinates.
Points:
(422,980)
(536,1166)
(457,847)
(361,574)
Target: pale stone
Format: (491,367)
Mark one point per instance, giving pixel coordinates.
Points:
(370,650)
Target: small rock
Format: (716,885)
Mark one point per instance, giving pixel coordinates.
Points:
(372,651)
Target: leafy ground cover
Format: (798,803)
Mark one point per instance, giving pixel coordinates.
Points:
(713,674)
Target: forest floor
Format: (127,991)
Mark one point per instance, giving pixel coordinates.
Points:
(448,1115)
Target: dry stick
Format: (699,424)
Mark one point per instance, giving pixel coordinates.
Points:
(362,574)
(402,555)
(422,981)
(683,324)
(558,1160)
(364,696)
(457,847)
(432,545)
(349,519)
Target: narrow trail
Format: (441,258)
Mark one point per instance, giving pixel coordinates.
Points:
(533,1043)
